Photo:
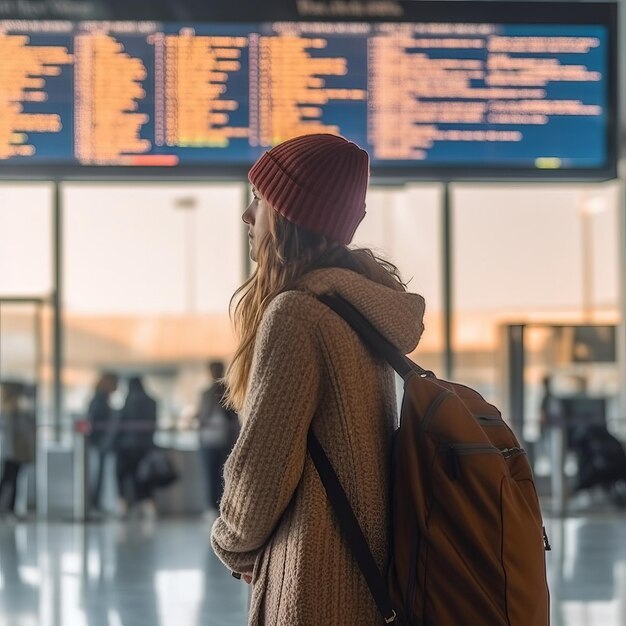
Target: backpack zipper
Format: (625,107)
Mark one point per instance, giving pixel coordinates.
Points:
(464,449)
(490,421)
(453,465)
(546,542)
(455,450)
(509,453)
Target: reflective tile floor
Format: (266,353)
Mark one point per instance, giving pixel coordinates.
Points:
(164,574)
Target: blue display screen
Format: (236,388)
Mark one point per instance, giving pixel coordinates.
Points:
(415,95)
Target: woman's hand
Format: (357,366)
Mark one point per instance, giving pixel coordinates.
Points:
(247,578)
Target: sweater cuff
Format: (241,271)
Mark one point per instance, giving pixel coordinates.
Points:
(238,562)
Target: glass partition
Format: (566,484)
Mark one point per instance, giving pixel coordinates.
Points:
(148,273)
(26,244)
(403,224)
(24,401)
(529,253)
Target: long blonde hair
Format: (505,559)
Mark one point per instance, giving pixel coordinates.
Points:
(287,253)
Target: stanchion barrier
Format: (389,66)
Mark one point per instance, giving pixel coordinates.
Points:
(557,454)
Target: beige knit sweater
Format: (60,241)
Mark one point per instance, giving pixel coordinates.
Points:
(275,521)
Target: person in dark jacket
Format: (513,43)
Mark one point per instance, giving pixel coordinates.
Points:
(102,423)
(18,442)
(134,439)
(219,426)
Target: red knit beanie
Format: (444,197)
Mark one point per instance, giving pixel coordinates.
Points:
(317,182)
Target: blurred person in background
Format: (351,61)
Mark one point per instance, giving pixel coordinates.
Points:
(218,426)
(102,419)
(17,443)
(133,441)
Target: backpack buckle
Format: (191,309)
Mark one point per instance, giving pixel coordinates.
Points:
(392,618)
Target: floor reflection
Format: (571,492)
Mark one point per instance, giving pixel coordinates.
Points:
(587,570)
(164,574)
(115,574)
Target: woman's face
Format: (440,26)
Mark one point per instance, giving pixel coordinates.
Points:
(257,217)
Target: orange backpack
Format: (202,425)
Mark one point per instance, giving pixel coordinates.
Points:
(467,539)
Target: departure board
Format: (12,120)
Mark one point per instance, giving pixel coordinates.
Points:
(421,97)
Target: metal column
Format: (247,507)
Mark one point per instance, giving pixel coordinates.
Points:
(621,331)
(57,322)
(515,368)
(448,362)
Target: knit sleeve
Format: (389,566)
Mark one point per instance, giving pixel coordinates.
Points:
(267,462)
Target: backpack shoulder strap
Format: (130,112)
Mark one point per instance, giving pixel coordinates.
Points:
(351,529)
(348,522)
(372,338)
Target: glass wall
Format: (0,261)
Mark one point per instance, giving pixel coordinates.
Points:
(148,273)
(148,269)
(403,224)
(23,385)
(529,254)
(26,239)
(26,249)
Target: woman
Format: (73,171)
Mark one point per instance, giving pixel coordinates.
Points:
(299,366)
(134,440)
(102,423)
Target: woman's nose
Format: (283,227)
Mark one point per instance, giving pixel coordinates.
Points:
(247,216)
